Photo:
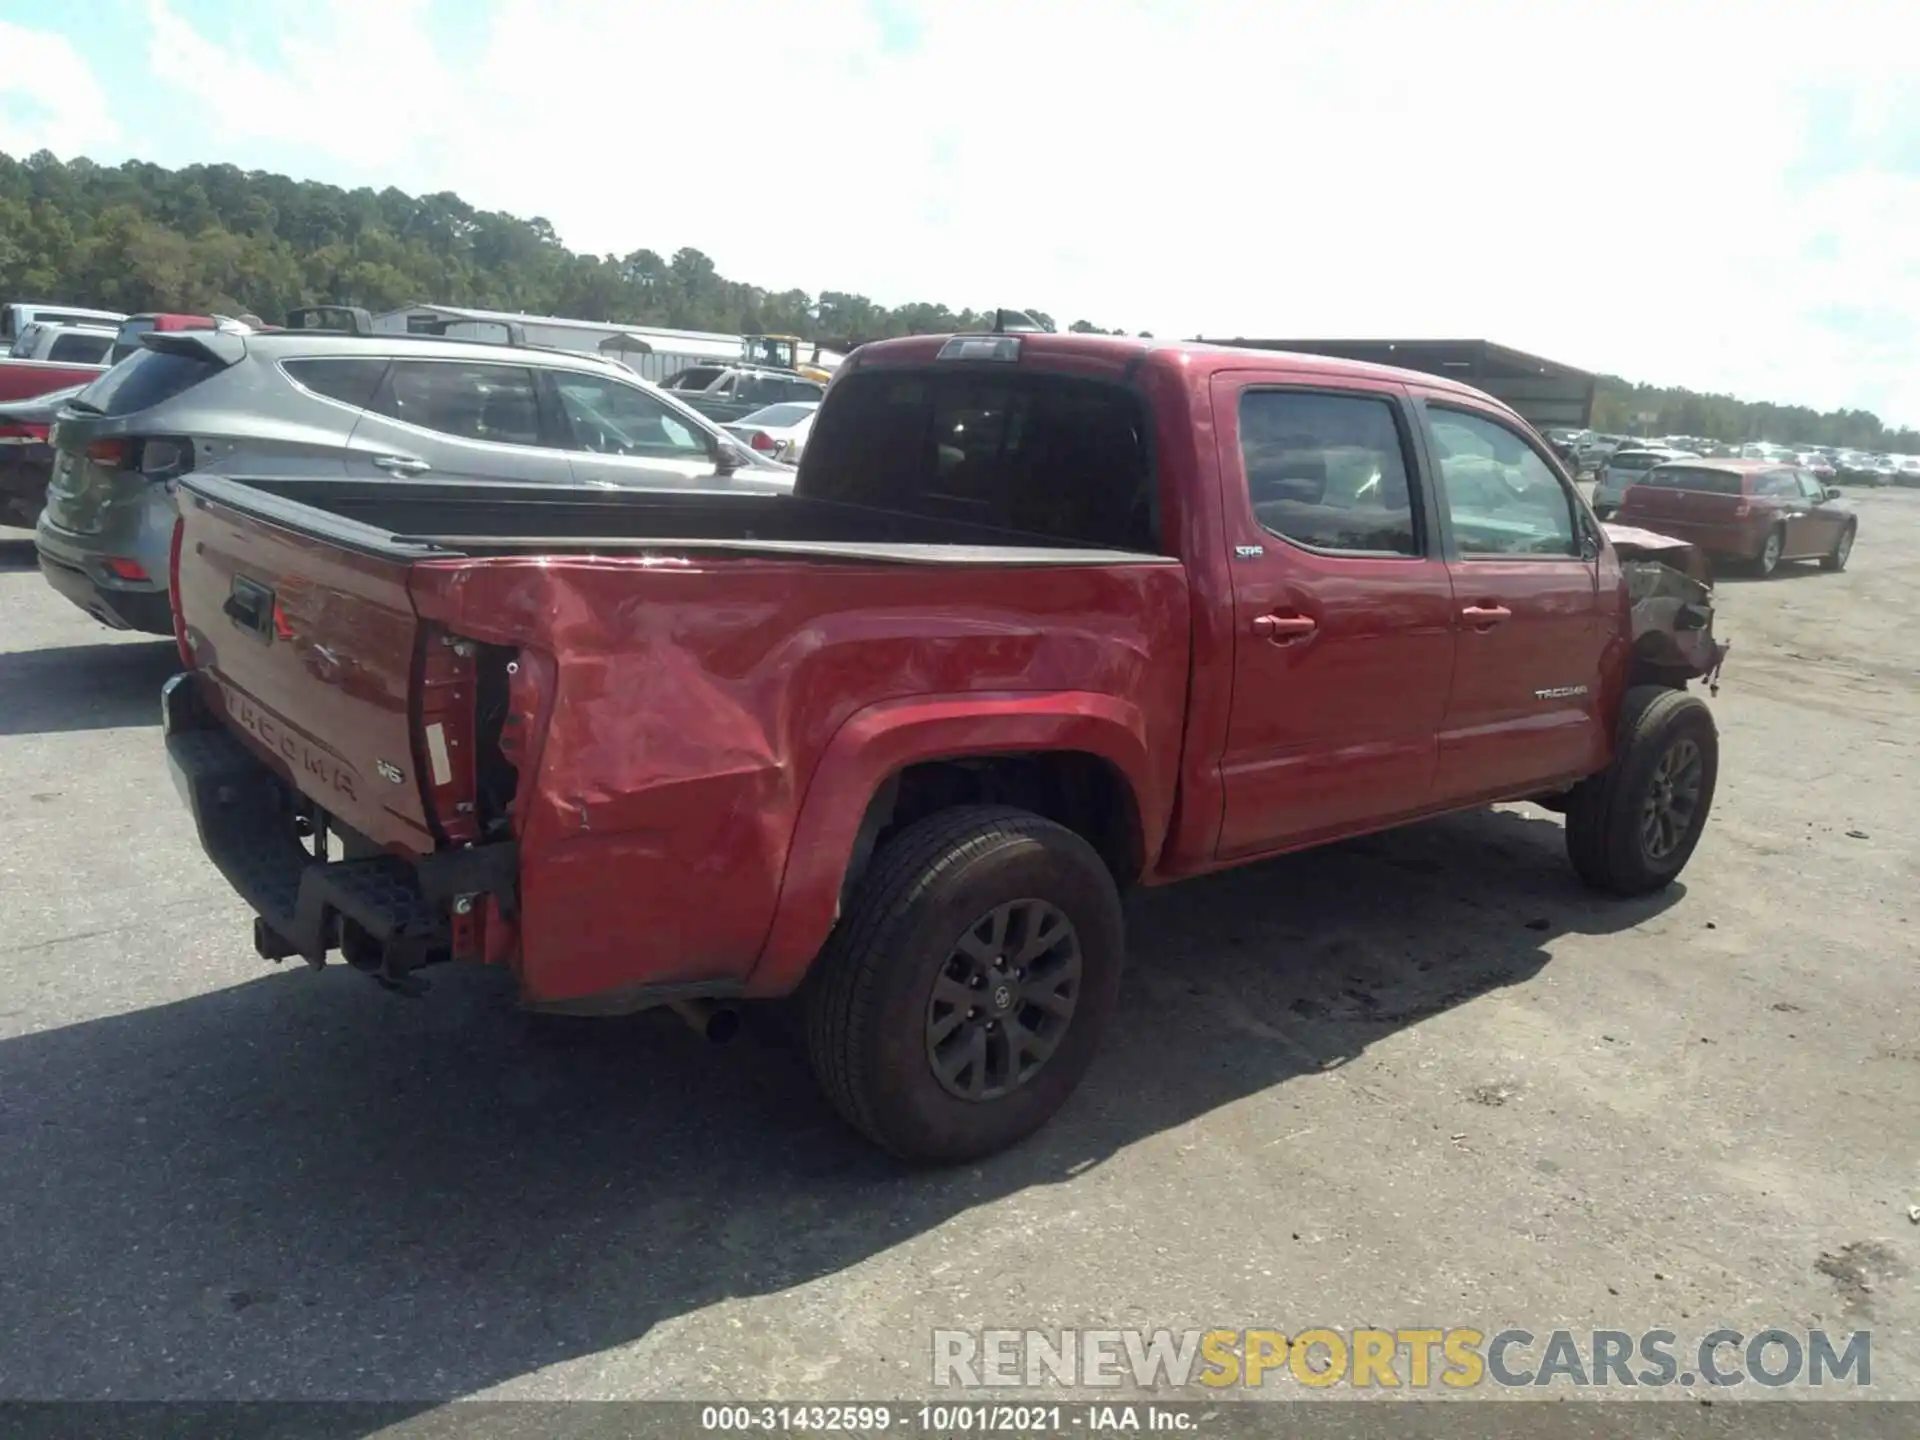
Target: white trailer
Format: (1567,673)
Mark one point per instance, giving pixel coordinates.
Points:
(652,352)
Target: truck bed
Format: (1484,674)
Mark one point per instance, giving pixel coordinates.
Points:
(23,379)
(430,519)
(644,685)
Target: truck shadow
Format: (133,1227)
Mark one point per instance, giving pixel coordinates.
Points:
(104,686)
(302,1187)
(16,550)
(1734,573)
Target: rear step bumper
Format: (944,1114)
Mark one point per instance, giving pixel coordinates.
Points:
(396,912)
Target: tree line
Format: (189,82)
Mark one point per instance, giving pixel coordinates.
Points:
(217,239)
(1618,405)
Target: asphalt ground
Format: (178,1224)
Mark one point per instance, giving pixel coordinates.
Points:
(1422,1079)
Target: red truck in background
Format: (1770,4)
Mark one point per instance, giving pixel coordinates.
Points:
(27,377)
(42,353)
(24,377)
(1043,617)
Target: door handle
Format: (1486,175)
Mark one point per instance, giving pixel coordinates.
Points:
(1485,616)
(400,464)
(1282,629)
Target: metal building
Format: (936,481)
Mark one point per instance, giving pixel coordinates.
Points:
(1544,392)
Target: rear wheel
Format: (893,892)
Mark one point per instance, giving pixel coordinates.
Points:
(962,996)
(1842,549)
(1771,549)
(1632,828)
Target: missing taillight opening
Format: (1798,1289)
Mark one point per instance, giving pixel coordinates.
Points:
(497,777)
(165,459)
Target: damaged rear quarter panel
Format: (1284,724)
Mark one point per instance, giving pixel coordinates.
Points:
(692,699)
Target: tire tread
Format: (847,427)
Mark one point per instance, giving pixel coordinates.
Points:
(1595,843)
(1831,560)
(840,1009)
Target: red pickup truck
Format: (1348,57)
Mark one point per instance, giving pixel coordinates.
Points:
(23,379)
(1043,617)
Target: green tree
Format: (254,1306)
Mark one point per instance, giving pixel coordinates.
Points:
(205,238)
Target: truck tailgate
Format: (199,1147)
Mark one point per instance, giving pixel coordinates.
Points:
(282,625)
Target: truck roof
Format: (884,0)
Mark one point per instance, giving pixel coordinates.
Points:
(1198,356)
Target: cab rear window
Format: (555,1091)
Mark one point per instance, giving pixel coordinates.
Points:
(80,349)
(1048,456)
(1684,477)
(1633,460)
(698,377)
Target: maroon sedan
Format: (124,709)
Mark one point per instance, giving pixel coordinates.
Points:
(26,455)
(1754,510)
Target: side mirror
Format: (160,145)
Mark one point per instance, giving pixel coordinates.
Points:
(1833,492)
(727,458)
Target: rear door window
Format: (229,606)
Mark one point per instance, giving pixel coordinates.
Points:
(1049,456)
(350,379)
(80,349)
(145,378)
(495,404)
(1328,471)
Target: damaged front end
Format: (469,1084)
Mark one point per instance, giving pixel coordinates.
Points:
(1670,592)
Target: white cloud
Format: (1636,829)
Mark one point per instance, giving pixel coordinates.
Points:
(330,88)
(49,98)
(1617,194)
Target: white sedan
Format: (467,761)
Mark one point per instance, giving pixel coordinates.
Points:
(777,431)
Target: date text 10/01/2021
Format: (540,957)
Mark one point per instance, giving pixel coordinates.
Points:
(950,1419)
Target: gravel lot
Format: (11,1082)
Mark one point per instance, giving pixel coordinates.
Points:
(1418,1079)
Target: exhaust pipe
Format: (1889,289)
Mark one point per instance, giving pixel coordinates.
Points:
(719,1023)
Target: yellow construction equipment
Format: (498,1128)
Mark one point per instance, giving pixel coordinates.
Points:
(782,352)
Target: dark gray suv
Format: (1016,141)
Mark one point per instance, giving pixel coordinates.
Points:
(354,405)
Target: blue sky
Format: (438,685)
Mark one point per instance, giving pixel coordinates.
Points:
(1722,196)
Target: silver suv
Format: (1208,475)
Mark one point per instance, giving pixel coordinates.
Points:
(1624,469)
(346,403)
